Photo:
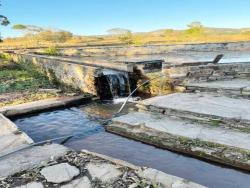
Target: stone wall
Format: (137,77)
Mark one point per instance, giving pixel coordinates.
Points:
(75,75)
(210,72)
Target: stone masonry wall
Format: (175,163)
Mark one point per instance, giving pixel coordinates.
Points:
(78,76)
(210,72)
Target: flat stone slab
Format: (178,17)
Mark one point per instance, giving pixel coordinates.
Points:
(96,171)
(179,127)
(166,180)
(32,185)
(29,158)
(104,172)
(234,84)
(37,106)
(83,182)
(202,104)
(60,173)
(11,137)
(205,141)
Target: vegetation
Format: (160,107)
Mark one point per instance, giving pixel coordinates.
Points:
(196,32)
(52,51)
(17,79)
(3,21)
(19,86)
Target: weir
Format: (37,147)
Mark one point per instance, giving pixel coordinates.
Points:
(104,78)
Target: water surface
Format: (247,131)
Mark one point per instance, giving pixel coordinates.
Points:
(86,122)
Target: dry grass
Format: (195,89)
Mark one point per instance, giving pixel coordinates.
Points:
(157,37)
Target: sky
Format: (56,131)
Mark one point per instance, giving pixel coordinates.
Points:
(95,17)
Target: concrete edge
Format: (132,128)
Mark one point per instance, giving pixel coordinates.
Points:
(231,123)
(41,105)
(113,160)
(15,128)
(153,175)
(221,154)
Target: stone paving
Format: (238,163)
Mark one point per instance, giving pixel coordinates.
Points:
(215,143)
(87,170)
(11,137)
(202,107)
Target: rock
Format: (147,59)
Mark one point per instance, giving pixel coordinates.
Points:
(60,173)
(104,172)
(79,183)
(32,185)
(30,158)
(166,180)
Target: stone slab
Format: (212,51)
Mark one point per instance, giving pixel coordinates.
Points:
(152,175)
(235,84)
(166,180)
(179,127)
(78,183)
(215,143)
(29,158)
(32,185)
(60,173)
(11,137)
(203,104)
(105,172)
(41,105)
(109,171)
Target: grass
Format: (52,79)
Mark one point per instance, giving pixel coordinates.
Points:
(17,79)
(52,51)
(19,85)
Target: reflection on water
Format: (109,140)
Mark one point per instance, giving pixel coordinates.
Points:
(85,121)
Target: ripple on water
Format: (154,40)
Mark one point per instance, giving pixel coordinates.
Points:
(84,120)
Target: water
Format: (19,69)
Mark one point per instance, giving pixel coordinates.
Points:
(113,84)
(85,121)
(117,84)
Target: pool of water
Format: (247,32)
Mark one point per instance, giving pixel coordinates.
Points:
(85,121)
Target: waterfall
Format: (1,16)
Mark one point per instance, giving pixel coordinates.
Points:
(118,85)
(114,84)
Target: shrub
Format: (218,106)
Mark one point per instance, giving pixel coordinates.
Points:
(52,51)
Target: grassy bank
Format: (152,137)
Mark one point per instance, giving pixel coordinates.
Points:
(19,85)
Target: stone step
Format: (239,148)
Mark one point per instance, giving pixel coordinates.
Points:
(11,138)
(234,87)
(217,144)
(213,109)
(29,158)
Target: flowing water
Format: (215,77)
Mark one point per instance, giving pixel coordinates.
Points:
(85,121)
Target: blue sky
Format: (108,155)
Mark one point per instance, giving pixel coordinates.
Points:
(87,17)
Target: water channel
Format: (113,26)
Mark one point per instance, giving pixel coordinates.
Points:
(86,121)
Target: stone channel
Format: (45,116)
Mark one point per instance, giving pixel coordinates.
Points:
(207,119)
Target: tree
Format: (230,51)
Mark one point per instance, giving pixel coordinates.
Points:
(125,35)
(195,25)
(3,21)
(118,31)
(43,34)
(28,29)
(195,29)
